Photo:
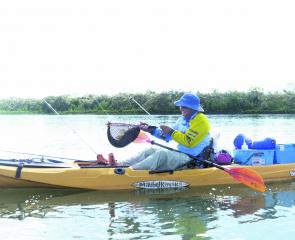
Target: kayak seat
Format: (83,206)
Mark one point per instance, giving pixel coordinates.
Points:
(206,154)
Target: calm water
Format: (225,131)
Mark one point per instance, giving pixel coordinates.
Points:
(206,213)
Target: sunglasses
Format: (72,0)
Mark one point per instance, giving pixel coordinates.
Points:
(182,107)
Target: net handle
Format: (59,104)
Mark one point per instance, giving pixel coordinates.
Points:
(109,124)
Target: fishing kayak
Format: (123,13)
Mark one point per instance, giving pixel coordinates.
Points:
(89,175)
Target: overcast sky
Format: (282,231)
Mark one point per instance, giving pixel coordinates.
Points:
(91,47)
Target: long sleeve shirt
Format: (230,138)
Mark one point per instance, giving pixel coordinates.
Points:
(191,134)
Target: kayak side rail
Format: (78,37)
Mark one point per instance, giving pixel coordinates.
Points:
(35,165)
(101,166)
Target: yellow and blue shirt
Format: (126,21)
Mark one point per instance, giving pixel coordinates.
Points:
(191,134)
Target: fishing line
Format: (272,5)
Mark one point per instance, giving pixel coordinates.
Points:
(73,130)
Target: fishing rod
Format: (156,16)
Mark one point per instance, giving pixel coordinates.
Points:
(105,111)
(73,130)
(44,156)
(131,98)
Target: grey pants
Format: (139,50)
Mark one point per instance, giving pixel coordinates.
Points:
(157,159)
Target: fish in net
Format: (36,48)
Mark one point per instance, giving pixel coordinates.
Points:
(122,134)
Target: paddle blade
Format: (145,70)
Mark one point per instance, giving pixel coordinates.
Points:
(248,177)
(142,138)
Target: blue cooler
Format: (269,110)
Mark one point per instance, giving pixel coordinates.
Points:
(254,157)
(266,144)
(285,153)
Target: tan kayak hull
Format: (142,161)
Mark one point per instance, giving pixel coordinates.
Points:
(99,178)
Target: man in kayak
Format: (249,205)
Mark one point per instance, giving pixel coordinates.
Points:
(191,132)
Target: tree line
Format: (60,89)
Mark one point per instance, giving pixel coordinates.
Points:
(254,101)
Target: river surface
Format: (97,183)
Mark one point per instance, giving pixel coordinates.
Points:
(227,212)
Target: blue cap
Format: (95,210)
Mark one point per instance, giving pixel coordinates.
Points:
(191,101)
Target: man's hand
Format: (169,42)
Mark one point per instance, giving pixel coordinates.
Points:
(166,129)
(145,127)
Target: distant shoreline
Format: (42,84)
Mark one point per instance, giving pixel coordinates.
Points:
(252,102)
(125,114)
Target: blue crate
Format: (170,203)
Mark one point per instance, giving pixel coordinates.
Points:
(254,157)
(285,153)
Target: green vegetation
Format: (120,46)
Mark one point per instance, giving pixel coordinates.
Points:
(252,102)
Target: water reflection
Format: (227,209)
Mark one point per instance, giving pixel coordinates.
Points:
(189,213)
(22,203)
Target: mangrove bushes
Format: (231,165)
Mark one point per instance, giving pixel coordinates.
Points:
(254,101)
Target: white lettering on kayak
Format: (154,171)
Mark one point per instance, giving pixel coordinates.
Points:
(160,184)
(292,173)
